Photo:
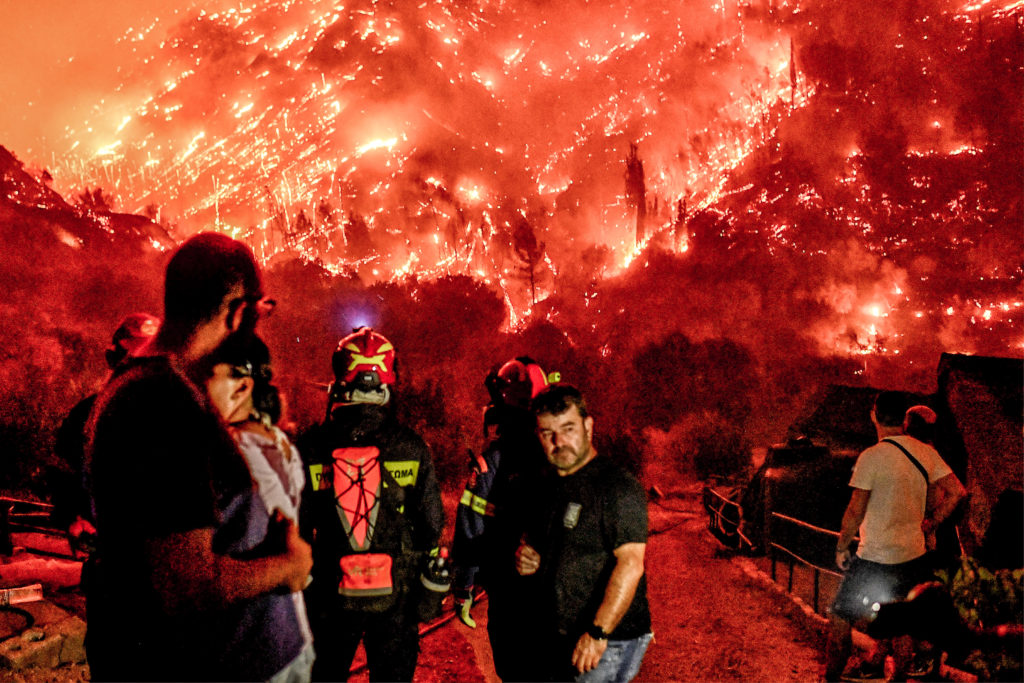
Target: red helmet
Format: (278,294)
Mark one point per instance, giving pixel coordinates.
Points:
(364,358)
(132,334)
(519,380)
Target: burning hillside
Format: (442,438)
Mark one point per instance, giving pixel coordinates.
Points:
(493,138)
(761,194)
(418,136)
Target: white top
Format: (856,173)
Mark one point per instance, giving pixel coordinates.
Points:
(891,531)
(276,468)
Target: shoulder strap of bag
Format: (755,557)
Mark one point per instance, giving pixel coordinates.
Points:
(918,465)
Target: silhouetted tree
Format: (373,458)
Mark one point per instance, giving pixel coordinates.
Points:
(358,242)
(636,191)
(94,201)
(529,252)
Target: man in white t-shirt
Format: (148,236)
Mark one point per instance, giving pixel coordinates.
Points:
(893,483)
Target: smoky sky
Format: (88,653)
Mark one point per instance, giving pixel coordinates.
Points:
(61,58)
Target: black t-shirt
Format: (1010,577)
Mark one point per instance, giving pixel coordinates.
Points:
(582,519)
(160,462)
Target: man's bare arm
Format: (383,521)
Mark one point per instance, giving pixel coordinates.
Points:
(629,567)
(852,519)
(618,595)
(188,575)
(943,497)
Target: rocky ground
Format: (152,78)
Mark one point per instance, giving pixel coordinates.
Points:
(714,618)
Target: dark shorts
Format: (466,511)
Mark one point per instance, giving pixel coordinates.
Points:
(868,585)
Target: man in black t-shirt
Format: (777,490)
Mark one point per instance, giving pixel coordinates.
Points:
(586,541)
(184,586)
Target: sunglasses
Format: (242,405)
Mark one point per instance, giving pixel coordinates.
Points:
(241,371)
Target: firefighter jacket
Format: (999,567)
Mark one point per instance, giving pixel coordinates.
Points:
(371,511)
(487,525)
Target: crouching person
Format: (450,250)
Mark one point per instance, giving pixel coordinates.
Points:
(372,510)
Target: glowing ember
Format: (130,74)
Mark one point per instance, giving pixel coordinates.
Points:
(493,139)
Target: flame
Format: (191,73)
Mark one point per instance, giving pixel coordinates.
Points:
(414,139)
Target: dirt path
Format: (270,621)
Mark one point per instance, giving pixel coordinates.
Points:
(712,622)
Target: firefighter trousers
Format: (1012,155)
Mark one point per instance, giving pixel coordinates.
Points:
(391,640)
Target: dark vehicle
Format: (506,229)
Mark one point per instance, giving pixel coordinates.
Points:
(798,480)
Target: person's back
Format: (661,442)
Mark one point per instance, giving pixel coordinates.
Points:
(372,508)
(72,507)
(395,519)
(156,449)
(892,485)
(891,530)
(70,500)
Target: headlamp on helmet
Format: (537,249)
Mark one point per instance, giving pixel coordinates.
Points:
(364,367)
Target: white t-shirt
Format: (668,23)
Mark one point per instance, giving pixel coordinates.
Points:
(891,530)
(276,468)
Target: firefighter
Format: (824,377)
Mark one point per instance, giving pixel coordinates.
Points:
(372,512)
(487,525)
(72,510)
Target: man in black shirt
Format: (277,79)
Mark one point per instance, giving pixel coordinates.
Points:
(586,542)
(184,586)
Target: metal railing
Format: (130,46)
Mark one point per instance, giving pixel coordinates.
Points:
(721,526)
(794,556)
(21,515)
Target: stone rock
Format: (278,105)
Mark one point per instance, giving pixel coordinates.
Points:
(32,635)
(72,631)
(20,653)
(56,638)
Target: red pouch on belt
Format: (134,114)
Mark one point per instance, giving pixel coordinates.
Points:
(366,575)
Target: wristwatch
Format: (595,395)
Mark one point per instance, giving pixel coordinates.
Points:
(597,633)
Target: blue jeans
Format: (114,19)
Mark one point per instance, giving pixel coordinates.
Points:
(620,663)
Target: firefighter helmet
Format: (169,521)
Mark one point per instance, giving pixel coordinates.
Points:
(517,382)
(364,359)
(131,335)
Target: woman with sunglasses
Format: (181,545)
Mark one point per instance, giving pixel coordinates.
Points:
(240,390)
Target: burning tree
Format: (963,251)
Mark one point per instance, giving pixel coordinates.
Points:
(835,188)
